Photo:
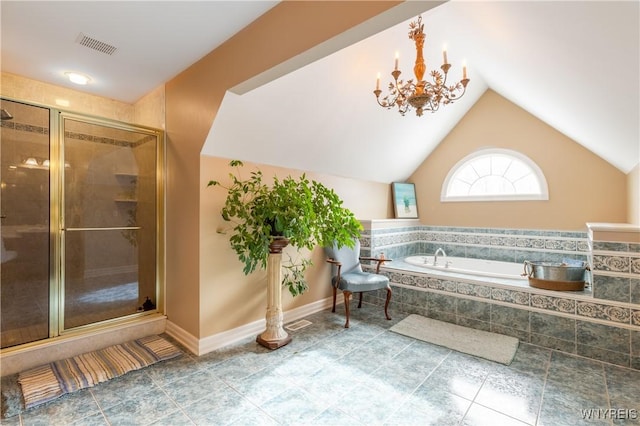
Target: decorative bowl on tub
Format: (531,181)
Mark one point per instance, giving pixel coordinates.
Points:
(563,276)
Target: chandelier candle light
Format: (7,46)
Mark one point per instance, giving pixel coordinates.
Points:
(420,94)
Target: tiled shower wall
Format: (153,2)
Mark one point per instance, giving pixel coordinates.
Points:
(603,324)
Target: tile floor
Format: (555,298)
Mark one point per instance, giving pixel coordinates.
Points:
(361,376)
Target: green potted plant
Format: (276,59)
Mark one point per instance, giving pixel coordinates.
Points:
(302,211)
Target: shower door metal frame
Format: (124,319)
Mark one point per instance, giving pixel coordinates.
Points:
(56,221)
(55,200)
(59,227)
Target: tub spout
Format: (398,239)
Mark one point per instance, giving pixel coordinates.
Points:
(435,256)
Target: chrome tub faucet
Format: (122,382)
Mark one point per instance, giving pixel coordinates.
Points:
(435,256)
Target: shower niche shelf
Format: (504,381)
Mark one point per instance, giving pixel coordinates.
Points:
(128,183)
(126,179)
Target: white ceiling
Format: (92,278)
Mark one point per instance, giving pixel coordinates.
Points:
(574,65)
(155,40)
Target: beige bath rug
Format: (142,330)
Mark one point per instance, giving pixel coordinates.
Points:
(483,344)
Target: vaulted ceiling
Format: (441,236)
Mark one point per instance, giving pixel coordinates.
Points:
(574,65)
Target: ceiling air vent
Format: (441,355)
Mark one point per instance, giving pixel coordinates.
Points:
(94,44)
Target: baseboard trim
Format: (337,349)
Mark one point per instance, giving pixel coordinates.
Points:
(186,339)
(252,329)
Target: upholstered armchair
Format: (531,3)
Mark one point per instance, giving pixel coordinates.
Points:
(349,277)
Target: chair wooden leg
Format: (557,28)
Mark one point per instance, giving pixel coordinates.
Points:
(386,304)
(360,302)
(335,291)
(347,297)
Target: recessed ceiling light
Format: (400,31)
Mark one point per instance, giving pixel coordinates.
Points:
(77,78)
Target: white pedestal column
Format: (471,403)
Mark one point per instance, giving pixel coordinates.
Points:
(274,336)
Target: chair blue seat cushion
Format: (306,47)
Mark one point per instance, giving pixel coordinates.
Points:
(357,281)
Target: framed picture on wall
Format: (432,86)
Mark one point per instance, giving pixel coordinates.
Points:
(404,200)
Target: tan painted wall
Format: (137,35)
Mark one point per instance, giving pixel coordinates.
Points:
(633,189)
(230,299)
(582,186)
(192,101)
(37,92)
(148,111)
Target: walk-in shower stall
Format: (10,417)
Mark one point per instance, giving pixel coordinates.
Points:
(81,229)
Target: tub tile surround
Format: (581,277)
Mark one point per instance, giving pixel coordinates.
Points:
(602,322)
(615,262)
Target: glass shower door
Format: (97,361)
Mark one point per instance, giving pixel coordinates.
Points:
(109,222)
(80,221)
(24,223)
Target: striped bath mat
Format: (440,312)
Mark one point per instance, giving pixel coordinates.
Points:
(48,382)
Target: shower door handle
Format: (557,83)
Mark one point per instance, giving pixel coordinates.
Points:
(116,228)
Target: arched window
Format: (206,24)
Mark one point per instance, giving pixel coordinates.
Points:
(495,175)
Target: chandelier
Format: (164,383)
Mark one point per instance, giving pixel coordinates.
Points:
(421,94)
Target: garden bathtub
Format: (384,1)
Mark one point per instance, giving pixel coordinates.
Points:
(470,266)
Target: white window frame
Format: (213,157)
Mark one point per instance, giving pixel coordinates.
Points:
(537,172)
